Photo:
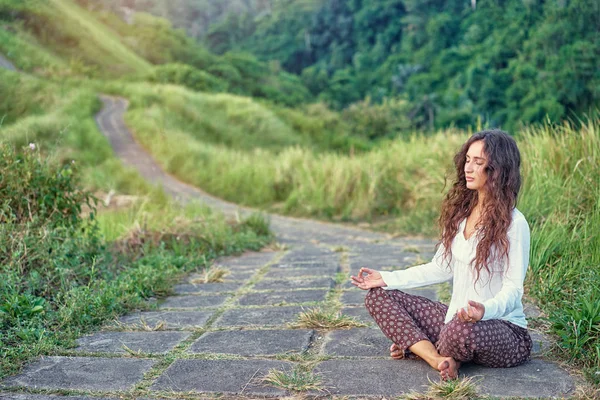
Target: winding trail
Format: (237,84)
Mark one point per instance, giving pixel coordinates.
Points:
(111,123)
(221,339)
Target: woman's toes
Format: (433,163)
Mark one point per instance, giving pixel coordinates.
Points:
(395,352)
(448,369)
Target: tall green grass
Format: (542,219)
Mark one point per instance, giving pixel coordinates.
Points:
(58,38)
(233,121)
(95,40)
(561,197)
(28,55)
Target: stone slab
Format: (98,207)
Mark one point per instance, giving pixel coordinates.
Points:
(145,342)
(301,256)
(287,284)
(360,313)
(266,316)
(247,259)
(239,377)
(281,297)
(536,378)
(354,297)
(375,377)
(188,288)
(253,342)
(531,310)
(241,275)
(173,319)
(358,342)
(193,301)
(298,272)
(332,266)
(241,267)
(233,275)
(82,373)
(541,343)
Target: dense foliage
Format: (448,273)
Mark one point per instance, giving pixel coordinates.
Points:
(456,62)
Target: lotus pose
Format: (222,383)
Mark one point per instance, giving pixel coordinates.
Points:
(484,249)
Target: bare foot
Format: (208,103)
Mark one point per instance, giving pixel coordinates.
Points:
(448,368)
(396,352)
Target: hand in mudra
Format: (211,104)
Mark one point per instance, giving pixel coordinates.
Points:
(367,279)
(472,313)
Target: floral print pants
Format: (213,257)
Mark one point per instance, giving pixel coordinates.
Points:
(407,319)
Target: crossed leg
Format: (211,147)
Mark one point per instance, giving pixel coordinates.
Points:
(413,323)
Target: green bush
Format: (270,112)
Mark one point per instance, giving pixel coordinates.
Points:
(32,190)
(188,76)
(376,121)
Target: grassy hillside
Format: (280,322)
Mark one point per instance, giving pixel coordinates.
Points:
(60,38)
(100,42)
(454,61)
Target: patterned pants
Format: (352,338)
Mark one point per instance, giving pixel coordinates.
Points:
(407,319)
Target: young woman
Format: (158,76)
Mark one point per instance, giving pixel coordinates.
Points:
(484,249)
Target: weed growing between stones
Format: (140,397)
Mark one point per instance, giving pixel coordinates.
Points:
(321,318)
(455,389)
(212,275)
(341,277)
(298,380)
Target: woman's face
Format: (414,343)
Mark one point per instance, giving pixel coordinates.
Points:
(475,165)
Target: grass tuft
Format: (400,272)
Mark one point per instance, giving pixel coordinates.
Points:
(142,326)
(212,275)
(321,318)
(455,389)
(277,246)
(297,380)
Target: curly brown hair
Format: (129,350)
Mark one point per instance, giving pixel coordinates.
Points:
(502,188)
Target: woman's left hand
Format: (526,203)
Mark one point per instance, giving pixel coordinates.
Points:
(472,313)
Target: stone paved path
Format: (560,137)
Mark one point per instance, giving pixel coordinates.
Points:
(221,339)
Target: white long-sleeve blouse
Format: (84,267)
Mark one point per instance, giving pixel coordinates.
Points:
(501,293)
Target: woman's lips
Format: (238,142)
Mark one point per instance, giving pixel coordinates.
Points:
(470,179)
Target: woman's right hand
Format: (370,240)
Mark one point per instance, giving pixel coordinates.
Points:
(368,279)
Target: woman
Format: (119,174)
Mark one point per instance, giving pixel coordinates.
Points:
(484,249)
